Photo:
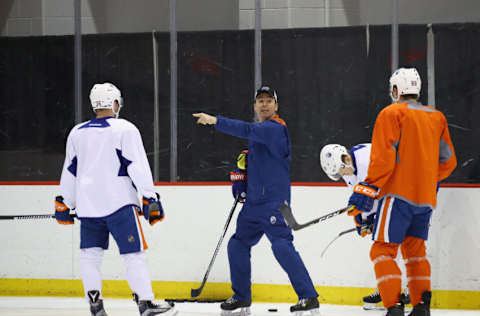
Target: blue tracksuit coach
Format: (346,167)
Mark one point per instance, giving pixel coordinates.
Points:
(268,185)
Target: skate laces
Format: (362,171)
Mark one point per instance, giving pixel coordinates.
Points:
(230,300)
(302,302)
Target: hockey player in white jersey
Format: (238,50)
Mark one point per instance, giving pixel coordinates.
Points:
(105,165)
(352,166)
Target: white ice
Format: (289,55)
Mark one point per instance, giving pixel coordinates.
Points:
(48,306)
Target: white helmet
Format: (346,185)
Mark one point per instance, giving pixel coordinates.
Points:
(104,95)
(407,81)
(331,160)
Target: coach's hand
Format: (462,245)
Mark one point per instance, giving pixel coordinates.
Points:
(205,119)
(238,177)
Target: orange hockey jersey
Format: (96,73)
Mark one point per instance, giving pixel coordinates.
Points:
(411,152)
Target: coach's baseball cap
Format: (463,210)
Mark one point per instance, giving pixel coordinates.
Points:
(267,89)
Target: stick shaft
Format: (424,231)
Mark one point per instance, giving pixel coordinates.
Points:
(41,216)
(291,221)
(325,217)
(196,292)
(338,236)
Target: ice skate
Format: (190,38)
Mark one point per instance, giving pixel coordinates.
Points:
(423,308)
(396,310)
(147,308)
(234,307)
(370,301)
(306,306)
(96,304)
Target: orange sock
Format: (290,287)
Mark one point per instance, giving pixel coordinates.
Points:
(418,267)
(389,276)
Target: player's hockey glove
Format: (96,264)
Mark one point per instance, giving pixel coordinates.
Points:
(364,225)
(152,210)
(238,177)
(362,198)
(62,212)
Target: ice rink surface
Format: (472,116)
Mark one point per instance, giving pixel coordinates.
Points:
(48,306)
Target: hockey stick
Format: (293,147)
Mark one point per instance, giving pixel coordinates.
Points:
(196,292)
(287,214)
(338,236)
(31,216)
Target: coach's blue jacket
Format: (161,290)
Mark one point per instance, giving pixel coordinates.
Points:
(269,156)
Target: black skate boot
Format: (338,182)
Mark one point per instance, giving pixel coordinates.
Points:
(370,301)
(96,304)
(396,310)
(422,308)
(399,308)
(147,308)
(306,305)
(234,307)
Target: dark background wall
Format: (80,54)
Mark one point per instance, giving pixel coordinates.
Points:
(331,84)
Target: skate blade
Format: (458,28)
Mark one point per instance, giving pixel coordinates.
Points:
(244,311)
(166,312)
(373,307)
(312,312)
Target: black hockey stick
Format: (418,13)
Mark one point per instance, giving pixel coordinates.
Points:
(31,216)
(196,292)
(287,214)
(338,236)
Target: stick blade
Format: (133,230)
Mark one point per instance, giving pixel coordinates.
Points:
(288,216)
(195,292)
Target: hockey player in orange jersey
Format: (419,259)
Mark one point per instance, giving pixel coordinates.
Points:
(411,153)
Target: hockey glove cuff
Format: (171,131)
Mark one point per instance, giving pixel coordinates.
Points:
(363,196)
(62,212)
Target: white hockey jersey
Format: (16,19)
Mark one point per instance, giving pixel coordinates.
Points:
(105,165)
(361,159)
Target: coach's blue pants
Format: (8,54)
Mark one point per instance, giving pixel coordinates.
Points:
(253,221)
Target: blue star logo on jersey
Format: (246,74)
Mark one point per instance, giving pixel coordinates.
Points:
(124,162)
(73,166)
